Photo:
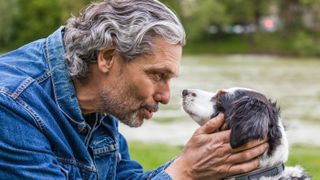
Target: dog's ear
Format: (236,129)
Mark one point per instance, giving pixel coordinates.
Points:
(274,134)
(248,120)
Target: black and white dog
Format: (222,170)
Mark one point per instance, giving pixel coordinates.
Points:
(249,115)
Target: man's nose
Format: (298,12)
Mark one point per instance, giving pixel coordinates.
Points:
(163,95)
(166,98)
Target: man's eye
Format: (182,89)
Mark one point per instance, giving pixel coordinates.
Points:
(159,76)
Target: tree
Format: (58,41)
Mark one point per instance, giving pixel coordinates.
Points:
(204,13)
(312,16)
(247,11)
(36,19)
(175,5)
(8,12)
(72,7)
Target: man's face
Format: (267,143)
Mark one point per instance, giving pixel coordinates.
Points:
(135,89)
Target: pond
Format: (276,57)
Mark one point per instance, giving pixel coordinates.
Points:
(292,82)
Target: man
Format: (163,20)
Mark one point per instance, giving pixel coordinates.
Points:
(61,99)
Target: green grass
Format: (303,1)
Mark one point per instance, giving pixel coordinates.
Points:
(153,155)
(308,157)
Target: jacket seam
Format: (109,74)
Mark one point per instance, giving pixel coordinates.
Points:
(44,77)
(76,163)
(4,91)
(41,126)
(48,58)
(25,106)
(22,87)
(34,115)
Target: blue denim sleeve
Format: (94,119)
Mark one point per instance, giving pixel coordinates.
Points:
(24,150)
(130,169)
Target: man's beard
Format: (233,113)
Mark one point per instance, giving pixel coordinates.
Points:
(120,110)
(123,106)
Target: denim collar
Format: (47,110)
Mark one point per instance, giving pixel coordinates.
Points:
(64,91)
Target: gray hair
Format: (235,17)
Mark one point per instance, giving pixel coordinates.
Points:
(128,25)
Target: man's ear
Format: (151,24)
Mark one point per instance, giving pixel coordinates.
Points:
(105,59)
(248,121)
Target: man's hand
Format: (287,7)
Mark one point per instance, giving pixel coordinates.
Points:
(208,154)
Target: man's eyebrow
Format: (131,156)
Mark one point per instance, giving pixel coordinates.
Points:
(164,70)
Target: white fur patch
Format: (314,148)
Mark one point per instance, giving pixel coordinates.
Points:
(198,105)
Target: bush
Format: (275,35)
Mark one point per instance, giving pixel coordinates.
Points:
(304,44)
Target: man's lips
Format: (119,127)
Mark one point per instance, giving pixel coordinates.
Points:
(148,114)
(148,110)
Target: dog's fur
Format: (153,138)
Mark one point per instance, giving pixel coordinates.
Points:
(249,115)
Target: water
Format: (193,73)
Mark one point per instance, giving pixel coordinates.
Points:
(293,83)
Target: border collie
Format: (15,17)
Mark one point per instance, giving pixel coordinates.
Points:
(249,115)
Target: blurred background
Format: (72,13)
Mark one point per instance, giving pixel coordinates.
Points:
(281,27)
(268,45)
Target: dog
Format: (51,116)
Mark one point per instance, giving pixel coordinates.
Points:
(250,116)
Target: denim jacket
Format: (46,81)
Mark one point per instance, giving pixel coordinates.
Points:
(43,134)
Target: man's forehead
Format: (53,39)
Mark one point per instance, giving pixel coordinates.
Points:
(164,58)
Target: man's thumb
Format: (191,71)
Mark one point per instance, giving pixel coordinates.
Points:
(212,125)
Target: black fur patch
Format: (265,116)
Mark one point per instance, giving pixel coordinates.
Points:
(250,115)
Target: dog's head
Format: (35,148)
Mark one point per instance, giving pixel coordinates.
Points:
(248,113)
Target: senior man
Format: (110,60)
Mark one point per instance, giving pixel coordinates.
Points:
(61,99)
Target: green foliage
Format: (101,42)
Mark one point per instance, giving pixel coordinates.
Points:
(36,19)
(304,44)
(228,44)
(175,6)
(8,12)
(23,21)
(203,14)
(72,7)
(300,44)
(154,155)
(245,11)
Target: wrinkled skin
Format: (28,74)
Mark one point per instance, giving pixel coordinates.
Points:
(208,154)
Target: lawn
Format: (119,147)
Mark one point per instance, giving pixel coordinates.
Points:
(154,155)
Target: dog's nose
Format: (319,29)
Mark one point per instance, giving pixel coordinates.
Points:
(185,92)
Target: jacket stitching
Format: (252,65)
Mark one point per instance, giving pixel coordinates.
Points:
(41,126)
(22,87)
(48,58)
(44,77)
(105,149)
(4,91)
(76,163)
(37,119)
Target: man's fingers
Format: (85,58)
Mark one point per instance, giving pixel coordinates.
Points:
(222,136)
(250,145)
(225,136)
(212,125)
(244,167)
(247,155)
